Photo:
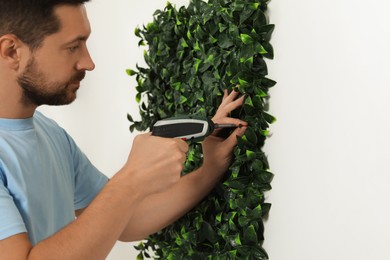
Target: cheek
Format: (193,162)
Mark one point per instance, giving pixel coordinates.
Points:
(57,69)
(58,74)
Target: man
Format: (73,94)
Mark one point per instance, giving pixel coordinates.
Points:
(53,203)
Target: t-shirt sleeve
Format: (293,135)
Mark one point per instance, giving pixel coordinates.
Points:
(88,180)
(11,222)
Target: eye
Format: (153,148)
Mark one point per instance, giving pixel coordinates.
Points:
(73,49)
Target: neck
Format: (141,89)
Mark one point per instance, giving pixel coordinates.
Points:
(17,112)
(12,105)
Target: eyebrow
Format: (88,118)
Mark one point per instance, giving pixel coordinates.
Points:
(81,38)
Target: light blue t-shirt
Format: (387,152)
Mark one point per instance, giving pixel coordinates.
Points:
(44,178)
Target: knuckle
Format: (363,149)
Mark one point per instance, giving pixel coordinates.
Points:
(180,158)
(171,143)
(178,168)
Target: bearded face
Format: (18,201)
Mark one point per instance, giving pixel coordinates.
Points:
(39,90)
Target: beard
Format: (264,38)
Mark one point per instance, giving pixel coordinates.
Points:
(37,90)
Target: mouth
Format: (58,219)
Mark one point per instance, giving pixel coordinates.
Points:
(76,80)
(75,83)
(74,86)
(78,77)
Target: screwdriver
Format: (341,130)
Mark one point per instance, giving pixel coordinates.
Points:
(187,128)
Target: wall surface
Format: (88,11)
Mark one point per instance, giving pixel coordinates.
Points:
(329,149)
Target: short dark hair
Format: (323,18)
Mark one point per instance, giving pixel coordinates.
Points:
(31,20)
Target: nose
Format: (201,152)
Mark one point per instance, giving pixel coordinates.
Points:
(86,62)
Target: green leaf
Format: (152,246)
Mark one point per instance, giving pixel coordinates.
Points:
(189,35)
(233,254)
(266,177)
(242,82)
(260,93)
(198,222)
(222,27)
(245,38)
(218,218)
(131,72)
(138,97)
(266,207)
(151,26)
(245,14)
(248,100)
(179,241)
(209,58)
(197,46)
(183,43)
(224,41)
(250,135)
(269,118)
(269,49)
(257,165)
(243,221)
(200,34)
(268,82)
(140,256)
(197,63)
(231,217)
(137,32)
(237,241)
(250,154)
(256,213)
(208,232)
(250,235)
(254,6)
(212,40)
(130,118)
(265,133)
(183,100)
(132,128)
(260,49)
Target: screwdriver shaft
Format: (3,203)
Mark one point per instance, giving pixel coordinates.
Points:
(225,126)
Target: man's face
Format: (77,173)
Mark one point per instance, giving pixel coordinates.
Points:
(53,73)
(39,90)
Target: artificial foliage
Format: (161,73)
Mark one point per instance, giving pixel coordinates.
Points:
(193,53)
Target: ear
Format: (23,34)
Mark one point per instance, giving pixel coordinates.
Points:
(11,50)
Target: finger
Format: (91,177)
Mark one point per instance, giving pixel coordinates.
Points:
(227,109)
(234,121)
(233,105)
(183,146)
(227,98)
(232,139)
(230,120)
(225,94)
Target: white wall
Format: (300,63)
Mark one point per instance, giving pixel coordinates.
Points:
(329,148)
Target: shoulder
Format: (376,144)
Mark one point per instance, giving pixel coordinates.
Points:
(44,124)
(41,119)
(49,130)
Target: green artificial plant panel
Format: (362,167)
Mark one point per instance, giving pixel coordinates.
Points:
(193,54)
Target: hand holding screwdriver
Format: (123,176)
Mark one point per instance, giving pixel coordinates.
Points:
(189,128)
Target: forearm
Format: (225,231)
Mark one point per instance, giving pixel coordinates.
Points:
(159,210)
(94,233)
